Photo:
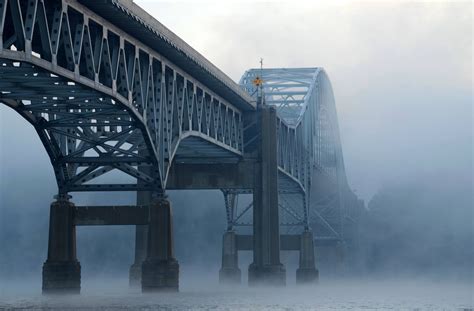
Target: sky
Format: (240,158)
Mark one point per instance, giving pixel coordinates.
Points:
(401,73)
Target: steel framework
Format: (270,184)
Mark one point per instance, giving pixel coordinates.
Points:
(309,150)
(103,101)
(121,103)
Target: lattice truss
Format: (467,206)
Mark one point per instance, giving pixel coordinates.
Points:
(239,207)
(103,102)
(309,149)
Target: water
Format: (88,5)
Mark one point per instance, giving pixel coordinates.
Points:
(114,294)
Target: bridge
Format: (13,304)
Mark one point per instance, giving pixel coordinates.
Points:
(121,103)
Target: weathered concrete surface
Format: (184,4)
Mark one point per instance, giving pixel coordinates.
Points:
(230,272)
(111,215)
(62,271)
(306,272)
(144,198)
(160,270)
(212,176)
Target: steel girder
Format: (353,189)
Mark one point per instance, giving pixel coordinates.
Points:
(102,101)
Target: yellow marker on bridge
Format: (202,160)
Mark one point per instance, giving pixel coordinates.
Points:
(257,81)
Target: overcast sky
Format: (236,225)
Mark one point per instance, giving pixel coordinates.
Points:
(401,73)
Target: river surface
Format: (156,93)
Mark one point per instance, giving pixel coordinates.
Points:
(114,294)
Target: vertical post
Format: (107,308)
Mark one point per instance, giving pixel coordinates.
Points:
(341,257)
(306,272)
(62,271)
(230,272)
(266,267)
(160,270)
(141,234)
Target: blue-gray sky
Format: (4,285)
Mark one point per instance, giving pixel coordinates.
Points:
(401,72)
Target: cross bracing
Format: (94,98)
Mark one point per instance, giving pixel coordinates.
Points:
(102,99)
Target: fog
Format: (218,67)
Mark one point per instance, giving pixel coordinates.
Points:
(402,77)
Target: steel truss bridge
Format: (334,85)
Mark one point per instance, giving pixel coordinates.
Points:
(121,103)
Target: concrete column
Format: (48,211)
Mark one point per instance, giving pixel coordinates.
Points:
(160,270)
(141,236)
(62,271)
(141,231)
(307,272)
(229,272)
(266,267)
(341,258)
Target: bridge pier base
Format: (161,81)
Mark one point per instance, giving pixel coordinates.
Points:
(230,272)
(135,275)
(269,275)
(307,272)
(160,270)
(62,271)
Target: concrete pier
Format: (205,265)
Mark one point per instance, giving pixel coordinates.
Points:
(160,270)
(266,268)
(307,272)
(230,272)
(135,274)
(141,237)
(62,271)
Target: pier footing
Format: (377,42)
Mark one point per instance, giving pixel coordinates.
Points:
(230,272)
(307,272)
(160,270)
(62,271)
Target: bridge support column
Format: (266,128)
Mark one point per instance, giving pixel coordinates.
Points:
(229,272)
(62,271)
(306,272)
(341,258)
(141,237)
(266,268)
(160,270)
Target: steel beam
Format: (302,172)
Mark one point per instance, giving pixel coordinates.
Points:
(212,176)
(111,215)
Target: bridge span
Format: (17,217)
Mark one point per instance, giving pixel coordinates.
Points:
(121,103)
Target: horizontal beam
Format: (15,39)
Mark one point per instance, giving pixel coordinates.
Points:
(285,101)
(111,215)
(283,93)
(212,175)
(288,242)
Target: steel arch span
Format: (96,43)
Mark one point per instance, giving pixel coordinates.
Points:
(313,187)
(103,101)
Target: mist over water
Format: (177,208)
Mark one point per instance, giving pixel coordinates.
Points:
(402,76)
(198,292)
